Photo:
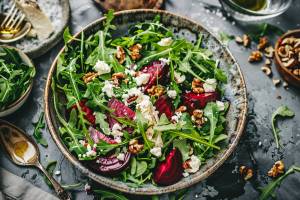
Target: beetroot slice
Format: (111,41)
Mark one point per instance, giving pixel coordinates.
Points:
(164,105)
(119,110)
(97,136)
(198,101)
(156,69)
(109,165)
(170,170)
(89,116)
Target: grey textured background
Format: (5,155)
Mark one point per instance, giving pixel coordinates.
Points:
(225,183)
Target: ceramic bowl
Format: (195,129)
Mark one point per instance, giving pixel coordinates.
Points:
(22,99)
(235,92)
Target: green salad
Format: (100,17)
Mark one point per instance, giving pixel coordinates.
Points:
(147,107)
(15,76)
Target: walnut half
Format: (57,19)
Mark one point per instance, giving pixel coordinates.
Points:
(277,169)
(135,147)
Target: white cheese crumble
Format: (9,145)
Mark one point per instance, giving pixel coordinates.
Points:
(210,85)
(147,109)
(102,67)
(132,92)
(176,117)
(116,130)
(179,78)
(142,79)
(194,164)
(156,151)
(108,88)
(130,72)
(121,156)
(165,42)
(221,105)
(172,94)
(165,61)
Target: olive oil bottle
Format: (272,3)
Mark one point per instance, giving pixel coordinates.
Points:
(254,5)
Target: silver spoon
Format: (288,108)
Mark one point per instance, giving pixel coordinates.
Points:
(23,151)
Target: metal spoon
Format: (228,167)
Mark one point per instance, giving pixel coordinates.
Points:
(23,151)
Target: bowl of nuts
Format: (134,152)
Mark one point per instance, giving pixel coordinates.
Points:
(287,56)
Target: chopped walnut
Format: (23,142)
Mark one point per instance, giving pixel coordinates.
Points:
(156,90)
(181,109)
(246,172)
(277,169)
(246,40)
(197,86)
(132,99)
(198,117)
(135,51)
(238,40)
(276,82)
(269,52)
(116,77)
(255,56)
(267,70)
(263,42)
(90,76)
(135,147)
(120,55)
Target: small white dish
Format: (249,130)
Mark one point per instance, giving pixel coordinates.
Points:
(22,99)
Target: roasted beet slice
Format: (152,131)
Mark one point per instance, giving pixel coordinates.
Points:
(164,105)
(97,136)
(88,112)
(157,70)
(194,101)
(109,165)
(170,170)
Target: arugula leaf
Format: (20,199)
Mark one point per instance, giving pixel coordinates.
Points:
(211,111)
(282,111)
(141,124)
(183,147)
(37,134)
(107,194)
(268,191)
(101,120)
(50,169)
(141,168)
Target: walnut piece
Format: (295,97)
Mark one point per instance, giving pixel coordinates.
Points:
(90,76)
(197,86)
(263,42)
(269,52)
(116,77)
(135,147)
(156,90)
(135,51)
(267,70)
(296,72)
(198,117)
(181,109)
(255,56)
(276,82)
(246,172)
(120,55)
(277,169)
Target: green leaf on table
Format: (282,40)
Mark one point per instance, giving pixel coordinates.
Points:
(225,38)
(50,169)
(282,111)
(67,35)
(37,133)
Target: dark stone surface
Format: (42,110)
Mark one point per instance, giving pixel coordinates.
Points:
(225,183)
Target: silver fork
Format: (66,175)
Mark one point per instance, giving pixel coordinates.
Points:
(13,19)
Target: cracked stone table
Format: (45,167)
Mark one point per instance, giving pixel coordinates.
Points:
(256,149)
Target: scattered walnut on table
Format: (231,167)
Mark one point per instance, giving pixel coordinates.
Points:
(246,172)
(255,56)
(269,52)
(277,169)
(246,40)
(263,42)
(267,70)
(276,82)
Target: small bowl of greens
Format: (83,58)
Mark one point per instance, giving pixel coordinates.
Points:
(145,101)
(16,79)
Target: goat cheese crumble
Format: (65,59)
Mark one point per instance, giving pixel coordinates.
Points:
(221,105)
(165,42)
(172,94)
(179,78)
(102,67)
(194,164)
(108,88)
(142,79)
(156,151)
(210,85)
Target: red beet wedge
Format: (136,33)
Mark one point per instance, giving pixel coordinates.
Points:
(109,165)
(88,112)
(194,101)
(157,70)
(119,110)
(164,105)
(98,136)
(170,170)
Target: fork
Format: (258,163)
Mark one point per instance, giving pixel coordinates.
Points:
(13,19)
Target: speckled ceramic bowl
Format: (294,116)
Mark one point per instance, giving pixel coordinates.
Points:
(235,91)
(22,99)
